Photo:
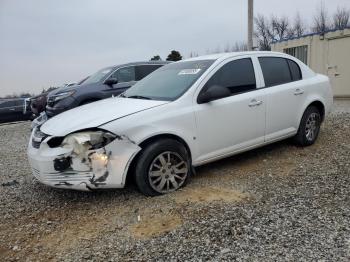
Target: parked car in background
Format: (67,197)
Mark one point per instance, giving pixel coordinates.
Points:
(38,103)
(107,82)
(14,109)
(184,115)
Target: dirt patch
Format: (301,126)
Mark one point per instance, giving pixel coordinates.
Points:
(151,225)
(209,194)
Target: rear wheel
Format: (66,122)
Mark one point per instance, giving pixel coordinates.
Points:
(162,167)
(309,127)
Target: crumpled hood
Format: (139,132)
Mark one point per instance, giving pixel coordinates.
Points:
(95,114)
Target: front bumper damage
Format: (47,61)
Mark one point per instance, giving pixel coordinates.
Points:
(60,167)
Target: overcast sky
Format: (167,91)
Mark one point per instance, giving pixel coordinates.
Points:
(50,42)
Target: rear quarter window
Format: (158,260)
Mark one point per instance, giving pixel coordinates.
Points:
(294,70)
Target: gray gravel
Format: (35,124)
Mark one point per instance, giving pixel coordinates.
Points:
(276,203)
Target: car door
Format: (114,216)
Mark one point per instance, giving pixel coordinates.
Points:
(126,77)
(236,122)
(9,111)
(285,96)
(4,111)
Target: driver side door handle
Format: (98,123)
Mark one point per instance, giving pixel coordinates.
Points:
(255,102)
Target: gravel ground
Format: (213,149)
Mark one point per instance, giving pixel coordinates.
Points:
(276,203)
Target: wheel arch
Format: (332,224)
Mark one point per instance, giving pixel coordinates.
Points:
(152,139)
(320,106)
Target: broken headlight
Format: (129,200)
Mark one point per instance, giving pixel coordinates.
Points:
(88,140)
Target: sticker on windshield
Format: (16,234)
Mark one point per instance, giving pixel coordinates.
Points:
(189,71)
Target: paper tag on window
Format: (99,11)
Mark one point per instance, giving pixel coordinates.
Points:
(189,71)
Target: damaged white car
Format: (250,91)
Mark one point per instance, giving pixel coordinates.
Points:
(181,116)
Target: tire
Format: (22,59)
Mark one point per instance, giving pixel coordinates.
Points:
(309,127)
(162,167)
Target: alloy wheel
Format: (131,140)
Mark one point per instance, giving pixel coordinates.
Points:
(311,127)
(167,172)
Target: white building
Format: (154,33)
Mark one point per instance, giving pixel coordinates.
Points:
(328,54)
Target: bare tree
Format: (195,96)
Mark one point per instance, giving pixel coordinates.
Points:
(239,47)
(341,18)
(263,32)
(193,54)
(280,28)
(321,20)
(299,27)
(236,47)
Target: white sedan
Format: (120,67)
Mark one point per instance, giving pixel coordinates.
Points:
(183,115)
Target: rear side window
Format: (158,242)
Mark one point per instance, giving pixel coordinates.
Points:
(144,70)
(7,104)
(238,76)
(294,70)
(275,70)
(278,71)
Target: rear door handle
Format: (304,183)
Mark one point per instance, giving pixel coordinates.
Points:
(255,102)
(298,92)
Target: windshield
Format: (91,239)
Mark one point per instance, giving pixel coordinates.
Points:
(98,76)
(169,82)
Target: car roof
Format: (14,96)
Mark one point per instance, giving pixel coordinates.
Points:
(140,63)
(222,56)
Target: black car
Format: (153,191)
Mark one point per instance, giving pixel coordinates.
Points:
(107,82)
(14,110)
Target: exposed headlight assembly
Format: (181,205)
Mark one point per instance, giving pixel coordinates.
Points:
(85,140)
(61,96)
(88,140)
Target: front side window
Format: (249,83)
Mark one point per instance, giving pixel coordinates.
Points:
(275,70)
(169,82)
(238,76)
(125,74)
(98,76)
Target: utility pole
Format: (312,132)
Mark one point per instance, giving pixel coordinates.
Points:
(250,24)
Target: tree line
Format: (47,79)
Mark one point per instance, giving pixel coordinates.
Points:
(276,28)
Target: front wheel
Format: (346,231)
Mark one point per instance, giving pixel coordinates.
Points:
(162,167)
(309,127)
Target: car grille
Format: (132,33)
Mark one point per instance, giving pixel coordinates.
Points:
(64,178)
(38,137)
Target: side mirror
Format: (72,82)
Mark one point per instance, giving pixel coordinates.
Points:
(111,81)
(214,92)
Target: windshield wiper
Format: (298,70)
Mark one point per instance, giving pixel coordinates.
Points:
(139,97)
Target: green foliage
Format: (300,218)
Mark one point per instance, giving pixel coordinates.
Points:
(174,56)
(156,58)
